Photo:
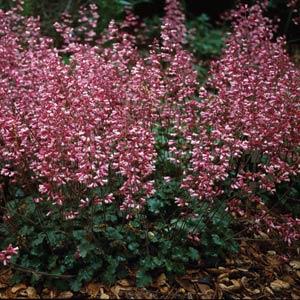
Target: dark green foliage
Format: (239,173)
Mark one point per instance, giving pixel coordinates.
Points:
(287,198)
(101,244)
(205,41)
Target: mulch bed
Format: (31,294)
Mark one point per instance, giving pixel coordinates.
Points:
(264,269)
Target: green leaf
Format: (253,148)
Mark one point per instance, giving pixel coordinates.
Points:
(193,253)
(52,262)
(26,230)
(79,234)
(85,275)
(69,261)
(133,246)
(157,261)
(96,264)
(113,233)
(155,205)
(39,240)
(110,272)
(217,240)
(55,238)
(111,217)
(143,279)
(75,285)
(85,247)
(19,193)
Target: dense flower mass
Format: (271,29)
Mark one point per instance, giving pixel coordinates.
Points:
(78,122)
(79,125)
(249,125)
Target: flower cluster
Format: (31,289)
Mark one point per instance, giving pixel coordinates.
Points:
(85,30)
(5,255)
(294,5)
(70,129)
(173,29)
(245,130)
(286,227)
(79,126)
(248,127)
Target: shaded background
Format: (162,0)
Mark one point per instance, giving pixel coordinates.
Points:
(151,10)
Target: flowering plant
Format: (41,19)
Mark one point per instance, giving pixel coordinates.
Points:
(102,144)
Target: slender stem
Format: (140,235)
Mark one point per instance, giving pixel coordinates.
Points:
(21,215)
(32,271)
(39,214)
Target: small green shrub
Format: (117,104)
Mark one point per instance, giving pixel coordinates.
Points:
(101,244)
(65,250)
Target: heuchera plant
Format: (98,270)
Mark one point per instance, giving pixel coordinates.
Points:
(247,132)
(79,125)
(74,126)
(67,130)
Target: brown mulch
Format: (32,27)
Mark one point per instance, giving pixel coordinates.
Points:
(262,270)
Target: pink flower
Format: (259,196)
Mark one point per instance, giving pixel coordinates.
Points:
(5,255)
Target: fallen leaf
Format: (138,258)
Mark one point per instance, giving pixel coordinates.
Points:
(288,279)
(161,280)
(269,290)
(209,294)
(162,284)
(18,287)
(3,285)
(186,284)
(31,293)
(244,270)
(203,288)
(192,271)
(164,289)
(295,296)
(65,295)
(216,271)
(295,264)
(103,295)
(123,282)
(3,296)
(93,289)
(118,288)
(244,282)
(223,277)
(235,286)
(46,293)
(53,294)
(263,235)
(279,285)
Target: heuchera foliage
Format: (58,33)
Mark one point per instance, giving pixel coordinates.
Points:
(68,129)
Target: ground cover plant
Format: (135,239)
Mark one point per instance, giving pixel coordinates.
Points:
(114,160)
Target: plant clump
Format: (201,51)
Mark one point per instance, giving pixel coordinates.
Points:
(113,159)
